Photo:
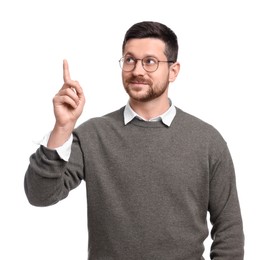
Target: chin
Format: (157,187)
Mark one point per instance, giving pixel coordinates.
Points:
(138,95)
(140,98)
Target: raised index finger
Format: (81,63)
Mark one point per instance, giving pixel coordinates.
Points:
(66,74)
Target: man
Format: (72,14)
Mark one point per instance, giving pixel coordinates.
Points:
(152,171)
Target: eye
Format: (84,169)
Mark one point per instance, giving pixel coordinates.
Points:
(129,60)
(150,61)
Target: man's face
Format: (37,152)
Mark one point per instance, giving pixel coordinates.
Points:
(141,85)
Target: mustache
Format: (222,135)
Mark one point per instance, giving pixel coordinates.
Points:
(139,80)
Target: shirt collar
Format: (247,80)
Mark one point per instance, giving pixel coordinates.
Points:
(166,118)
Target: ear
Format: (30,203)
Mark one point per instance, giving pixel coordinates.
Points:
(174,70)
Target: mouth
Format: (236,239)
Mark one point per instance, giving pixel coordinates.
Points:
(137,86)
(138,82)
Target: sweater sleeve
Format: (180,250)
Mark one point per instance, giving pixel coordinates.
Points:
(49,178)
(225,216)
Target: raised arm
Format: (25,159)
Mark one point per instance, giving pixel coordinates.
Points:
(49,178)
(68,105)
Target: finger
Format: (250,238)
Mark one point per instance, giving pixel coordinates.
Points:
(66,100)
(77,88)
(69,92)
(66,74)
(74,86)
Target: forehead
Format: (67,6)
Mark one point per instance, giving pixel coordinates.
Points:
(145,47)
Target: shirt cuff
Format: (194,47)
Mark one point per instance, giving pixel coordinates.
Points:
(63,151)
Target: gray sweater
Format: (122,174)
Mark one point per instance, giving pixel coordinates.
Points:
(149,188)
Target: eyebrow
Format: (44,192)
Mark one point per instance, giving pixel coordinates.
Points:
(147,55)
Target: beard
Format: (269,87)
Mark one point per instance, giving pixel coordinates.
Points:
(146,93)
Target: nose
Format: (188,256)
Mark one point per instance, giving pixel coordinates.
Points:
(138,69)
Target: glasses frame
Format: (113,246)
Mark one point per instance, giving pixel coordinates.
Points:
(121,62)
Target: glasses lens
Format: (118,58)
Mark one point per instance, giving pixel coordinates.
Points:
(127,63)
(150,64)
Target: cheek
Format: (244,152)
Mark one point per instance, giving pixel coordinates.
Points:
(161,78)
(123,77)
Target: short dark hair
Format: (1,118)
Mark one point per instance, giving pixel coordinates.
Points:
(149,29)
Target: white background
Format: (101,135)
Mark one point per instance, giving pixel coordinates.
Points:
(224,80)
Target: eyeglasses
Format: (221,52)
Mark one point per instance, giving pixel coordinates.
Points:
(150,64)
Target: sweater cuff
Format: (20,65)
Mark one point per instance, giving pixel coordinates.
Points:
(50,154)
(63,151)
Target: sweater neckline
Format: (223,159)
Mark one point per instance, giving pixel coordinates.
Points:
(147,124)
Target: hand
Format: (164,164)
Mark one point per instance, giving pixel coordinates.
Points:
(68,105)
(69,101)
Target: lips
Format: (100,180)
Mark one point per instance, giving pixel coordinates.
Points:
(136,81)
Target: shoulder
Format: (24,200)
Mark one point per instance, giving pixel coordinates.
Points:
(197,130)
(192,121)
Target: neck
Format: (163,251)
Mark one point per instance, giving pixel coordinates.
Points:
(150,109)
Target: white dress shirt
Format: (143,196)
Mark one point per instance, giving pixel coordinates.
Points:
(166,117)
